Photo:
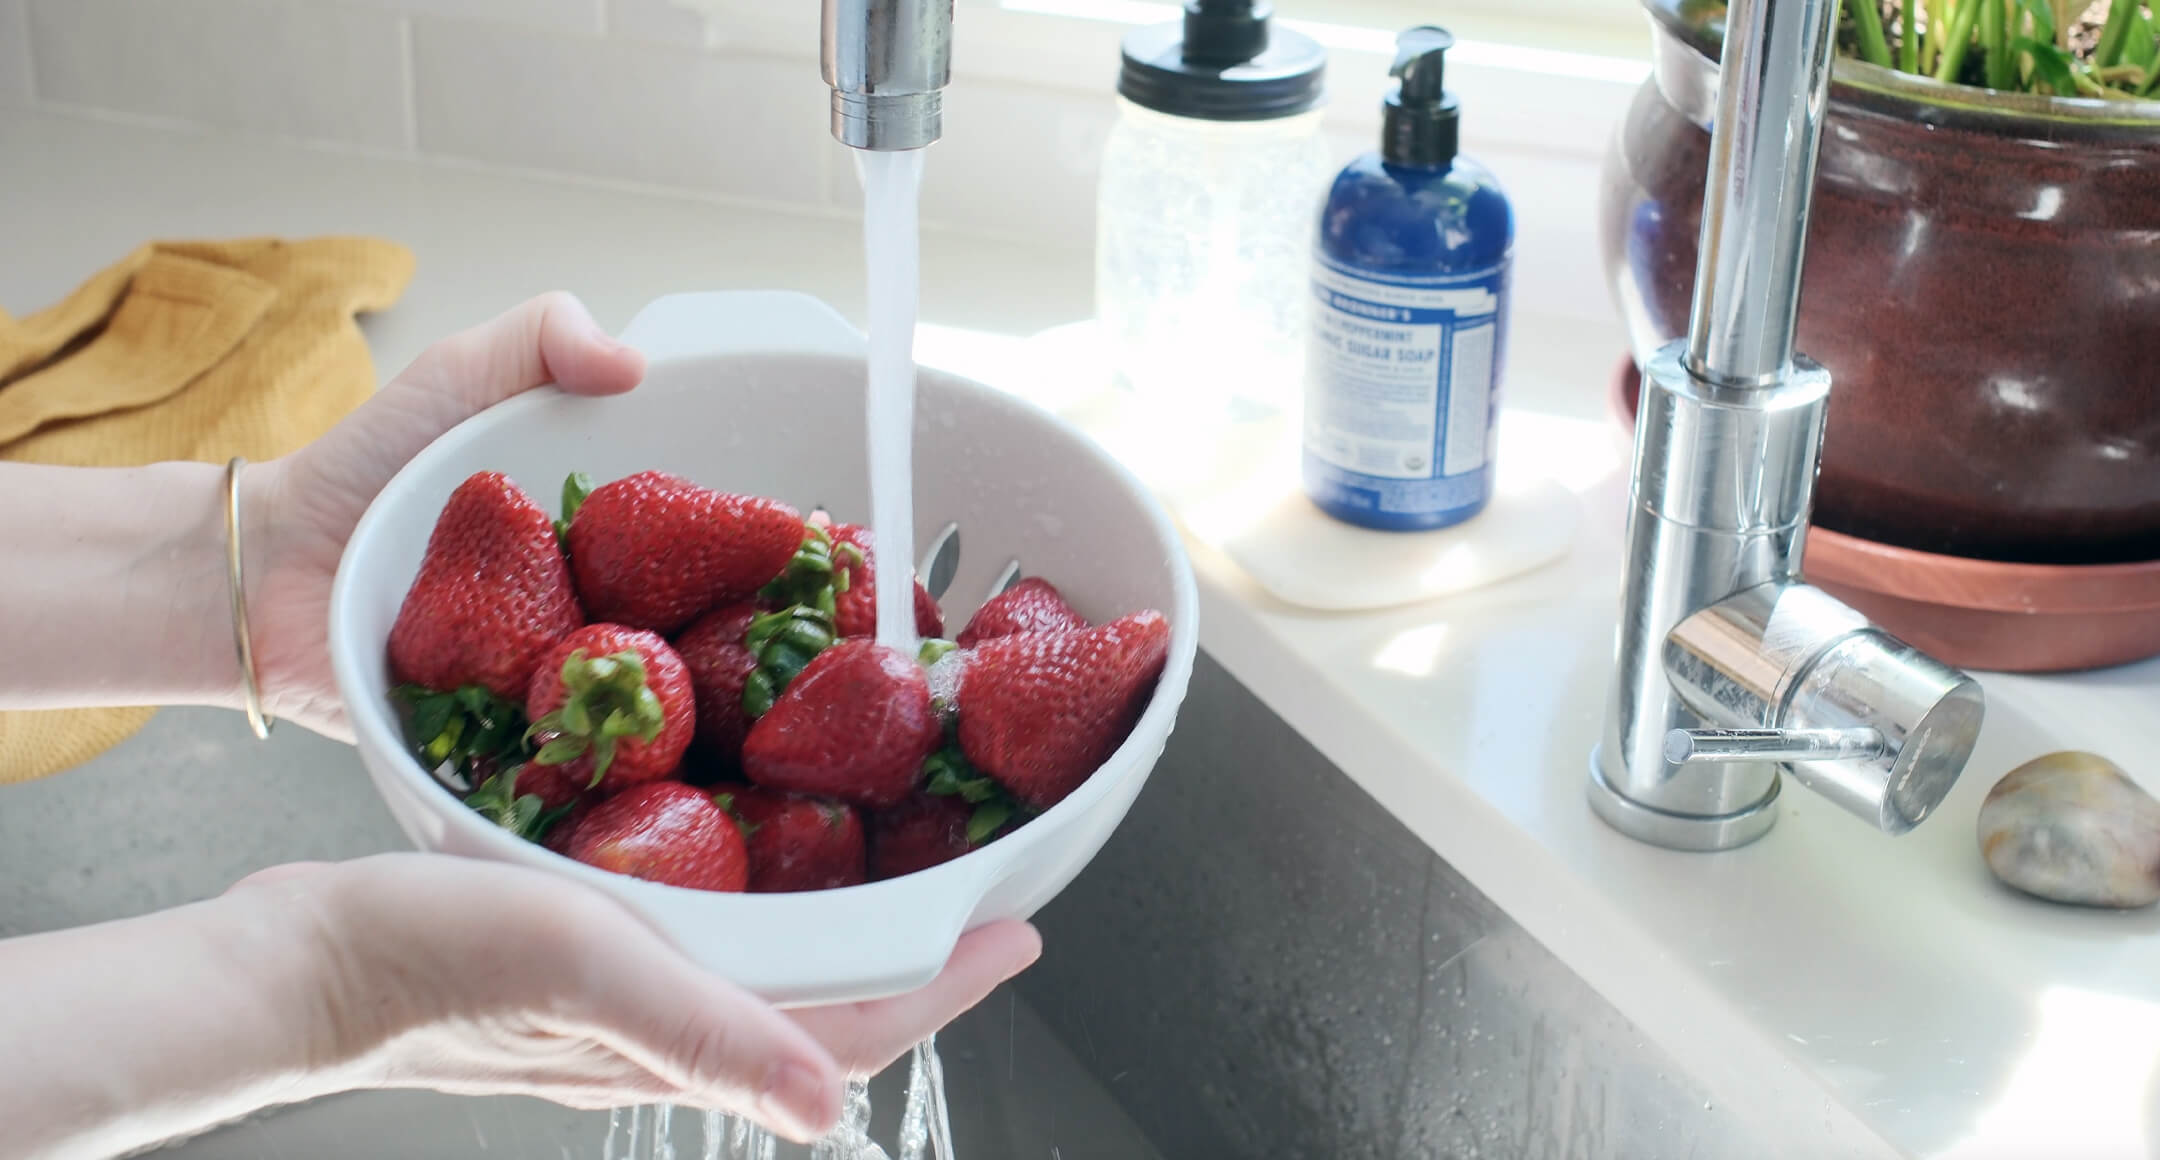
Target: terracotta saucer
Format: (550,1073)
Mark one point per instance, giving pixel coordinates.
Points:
(1978,614)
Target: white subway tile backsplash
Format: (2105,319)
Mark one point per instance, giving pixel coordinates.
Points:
(742,125)
(302,70)
(15,84)
(571,15)
(657,21)
(1015,160)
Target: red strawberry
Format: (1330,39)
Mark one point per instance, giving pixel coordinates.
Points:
(613,706)
(1041,711)
(664,832)
(1032,605)
(653,551)
(856,725)
(855,588)
(919,833)
(492,594)
(719,663)
(798,843)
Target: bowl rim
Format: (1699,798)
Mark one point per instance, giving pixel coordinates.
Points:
(375,724)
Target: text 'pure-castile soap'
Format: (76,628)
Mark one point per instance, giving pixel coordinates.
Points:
(1408,317)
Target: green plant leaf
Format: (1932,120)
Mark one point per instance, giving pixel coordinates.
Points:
(2142,45)
(2114,32)
(1867,22)
(2050,64)
(2000,64)
(2043,17)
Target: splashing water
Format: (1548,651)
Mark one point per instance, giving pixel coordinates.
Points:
(612,1150)
(892,184)
(925,1128)
(663,1132)
(926,1122)
(851,1140)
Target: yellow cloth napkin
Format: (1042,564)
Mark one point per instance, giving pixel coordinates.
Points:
(184,350)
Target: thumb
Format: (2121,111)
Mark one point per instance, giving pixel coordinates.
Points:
(551,338)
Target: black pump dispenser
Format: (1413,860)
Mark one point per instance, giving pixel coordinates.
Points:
(1422,117)
(1223,62)
(1225,32)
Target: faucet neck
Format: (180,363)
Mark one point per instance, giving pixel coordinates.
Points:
(1773,88)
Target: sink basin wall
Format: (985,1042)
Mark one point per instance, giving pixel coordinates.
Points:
(1265,963)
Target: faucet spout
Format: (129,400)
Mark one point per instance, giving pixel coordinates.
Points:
(888,62)
(1731,670)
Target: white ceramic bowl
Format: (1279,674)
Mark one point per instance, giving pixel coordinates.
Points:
(763,393)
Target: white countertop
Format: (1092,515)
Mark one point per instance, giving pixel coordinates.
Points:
(1848,993)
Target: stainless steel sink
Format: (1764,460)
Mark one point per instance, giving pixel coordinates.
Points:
(1262,963)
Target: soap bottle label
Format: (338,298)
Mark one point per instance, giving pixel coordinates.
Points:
(1402,378)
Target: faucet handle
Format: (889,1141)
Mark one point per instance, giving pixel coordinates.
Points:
(1783,672)
(1695,746)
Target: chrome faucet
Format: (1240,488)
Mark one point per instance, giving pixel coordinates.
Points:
(1732,671)
(888,62)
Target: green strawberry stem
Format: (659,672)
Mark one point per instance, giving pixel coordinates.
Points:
(574,490)
(947,773)
(525,815)
(784,643)
(467,729)
(809,578)
(726,802)
(608,701)
(935,649)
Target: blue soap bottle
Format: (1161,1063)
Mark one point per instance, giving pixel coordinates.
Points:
(1409,317)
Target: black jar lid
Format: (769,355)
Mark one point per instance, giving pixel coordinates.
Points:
(1223,62)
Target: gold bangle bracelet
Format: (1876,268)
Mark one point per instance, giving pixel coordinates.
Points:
(243,646)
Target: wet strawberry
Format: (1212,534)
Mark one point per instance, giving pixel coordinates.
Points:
(613,706)
(1042,711)
(1032,605)
(798,843)
(855,588)
(654,551)
(664,832)
(856,725)
(712,649)
(492,594)
(920,832)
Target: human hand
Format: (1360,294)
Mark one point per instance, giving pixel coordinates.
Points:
(302,508)
(517,982)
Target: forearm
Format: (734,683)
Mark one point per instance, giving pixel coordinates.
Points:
(113,587)
(119,1036)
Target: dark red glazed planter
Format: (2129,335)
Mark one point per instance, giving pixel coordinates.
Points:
(1982,279)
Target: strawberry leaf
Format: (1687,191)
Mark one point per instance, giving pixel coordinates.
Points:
(467,729)
(809,573)
(562,748)
(987,820)
(934,650)
(525,815)
(784,643)
(574,490)
(947,774)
